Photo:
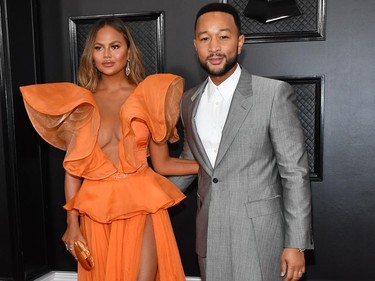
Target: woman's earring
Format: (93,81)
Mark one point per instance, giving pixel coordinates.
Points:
(127,68)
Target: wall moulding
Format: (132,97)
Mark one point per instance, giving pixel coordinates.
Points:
(310,103)
(147,30)
(309,26)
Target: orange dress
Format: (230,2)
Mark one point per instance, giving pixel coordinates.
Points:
(113,201)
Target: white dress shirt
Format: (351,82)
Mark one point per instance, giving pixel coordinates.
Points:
(212,112)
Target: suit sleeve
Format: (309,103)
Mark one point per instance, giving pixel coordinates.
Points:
(183,182)
(289,147)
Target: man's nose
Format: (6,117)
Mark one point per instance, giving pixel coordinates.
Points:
(214,45)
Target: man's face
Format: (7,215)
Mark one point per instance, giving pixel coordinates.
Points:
(218,44)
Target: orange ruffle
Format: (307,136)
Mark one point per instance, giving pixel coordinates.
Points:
(66,116)
(123,196)
(156,102)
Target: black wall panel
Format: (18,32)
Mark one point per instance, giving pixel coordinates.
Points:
(23,212)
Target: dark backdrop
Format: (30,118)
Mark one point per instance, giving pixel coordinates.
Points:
(343,202)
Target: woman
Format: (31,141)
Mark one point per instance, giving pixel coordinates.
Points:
(116,204)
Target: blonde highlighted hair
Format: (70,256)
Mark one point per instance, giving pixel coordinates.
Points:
(88,76)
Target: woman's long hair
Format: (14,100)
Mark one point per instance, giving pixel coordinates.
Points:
(88,75)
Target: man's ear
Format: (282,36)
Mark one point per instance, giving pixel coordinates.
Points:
(195,44)
(241,41)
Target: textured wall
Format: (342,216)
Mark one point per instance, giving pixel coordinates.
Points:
(343,203)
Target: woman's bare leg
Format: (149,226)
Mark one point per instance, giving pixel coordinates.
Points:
(148,263)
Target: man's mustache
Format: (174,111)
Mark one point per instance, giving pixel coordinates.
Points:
(218,55)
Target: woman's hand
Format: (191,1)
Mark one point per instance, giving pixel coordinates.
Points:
(72,234)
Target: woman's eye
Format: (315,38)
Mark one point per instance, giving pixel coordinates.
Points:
(115,47)
(97,48)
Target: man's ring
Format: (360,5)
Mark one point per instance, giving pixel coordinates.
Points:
(66,246)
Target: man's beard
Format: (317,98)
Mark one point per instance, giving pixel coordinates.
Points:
(222,71)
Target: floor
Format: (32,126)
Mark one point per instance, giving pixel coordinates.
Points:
(72,276)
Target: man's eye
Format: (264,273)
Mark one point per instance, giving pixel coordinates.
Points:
(204,39)
(224,37)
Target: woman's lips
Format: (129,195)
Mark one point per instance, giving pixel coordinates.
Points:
(108,64)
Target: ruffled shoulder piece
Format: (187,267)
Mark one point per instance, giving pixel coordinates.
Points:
(156,101)
(66,116)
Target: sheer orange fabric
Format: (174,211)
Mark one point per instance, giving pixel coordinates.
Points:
(113,201)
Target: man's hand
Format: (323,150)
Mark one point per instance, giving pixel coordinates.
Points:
(292,264)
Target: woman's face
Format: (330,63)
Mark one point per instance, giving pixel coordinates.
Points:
(110,52)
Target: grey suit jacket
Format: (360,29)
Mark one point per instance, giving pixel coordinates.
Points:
(256,200)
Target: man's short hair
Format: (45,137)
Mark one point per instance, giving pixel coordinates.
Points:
(220,7)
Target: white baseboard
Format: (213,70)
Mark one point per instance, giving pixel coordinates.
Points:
(72,276)
(59,276)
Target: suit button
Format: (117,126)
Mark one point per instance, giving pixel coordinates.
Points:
(215,180)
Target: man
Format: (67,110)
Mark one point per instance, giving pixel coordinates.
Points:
(254,209)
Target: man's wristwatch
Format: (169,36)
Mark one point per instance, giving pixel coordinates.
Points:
(301,250)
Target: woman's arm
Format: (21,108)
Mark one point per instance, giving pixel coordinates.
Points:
(166,165)
(73,232)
